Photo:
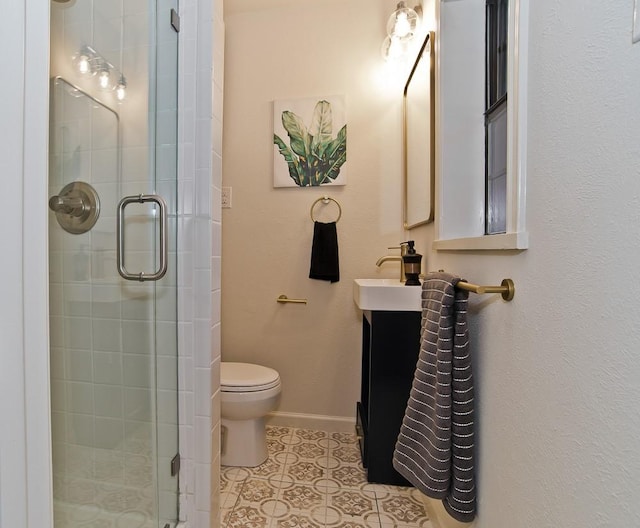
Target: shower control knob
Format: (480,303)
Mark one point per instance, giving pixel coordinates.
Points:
(71,205)
(77,207)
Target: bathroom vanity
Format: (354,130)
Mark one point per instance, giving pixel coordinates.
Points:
(390,348)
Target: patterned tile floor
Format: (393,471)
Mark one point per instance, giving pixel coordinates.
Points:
(314,479)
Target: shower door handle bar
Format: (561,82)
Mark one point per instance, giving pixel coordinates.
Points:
(142,276)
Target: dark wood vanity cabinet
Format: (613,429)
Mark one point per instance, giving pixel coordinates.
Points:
(390,348)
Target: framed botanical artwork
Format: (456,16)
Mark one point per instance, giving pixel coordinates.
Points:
(310,142)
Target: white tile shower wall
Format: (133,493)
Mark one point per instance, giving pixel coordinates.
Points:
(111,357)
(102,389)
(199,248)
(200,120)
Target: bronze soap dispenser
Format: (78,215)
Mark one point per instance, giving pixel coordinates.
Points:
(412,265)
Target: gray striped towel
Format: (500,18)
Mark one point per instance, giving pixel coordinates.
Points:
(434,450)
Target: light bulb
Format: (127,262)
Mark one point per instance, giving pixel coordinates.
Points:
(103,79)
(121,89)
(83,64)
(82,61)
(402,25)
(393,49)
(402,22)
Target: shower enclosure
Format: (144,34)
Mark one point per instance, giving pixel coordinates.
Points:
(112,251)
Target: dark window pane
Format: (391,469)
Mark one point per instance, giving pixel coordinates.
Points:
(497,13)
(496,159)
(496,50)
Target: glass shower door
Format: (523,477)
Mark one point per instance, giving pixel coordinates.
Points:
(113,341)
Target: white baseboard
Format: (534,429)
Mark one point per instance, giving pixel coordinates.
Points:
(318,422)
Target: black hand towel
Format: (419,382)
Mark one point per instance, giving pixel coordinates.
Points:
(324,252)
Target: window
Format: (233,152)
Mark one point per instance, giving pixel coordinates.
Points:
(481,124)
(495,116)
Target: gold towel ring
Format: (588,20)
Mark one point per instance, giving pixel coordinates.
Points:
(326,200)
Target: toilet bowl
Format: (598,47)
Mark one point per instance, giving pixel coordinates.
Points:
(248,393)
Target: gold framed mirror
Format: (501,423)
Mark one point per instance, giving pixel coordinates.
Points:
(418,109)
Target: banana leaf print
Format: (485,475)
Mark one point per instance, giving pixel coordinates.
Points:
(313,156)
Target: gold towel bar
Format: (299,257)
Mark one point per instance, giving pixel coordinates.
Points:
(284,299)
(507,288)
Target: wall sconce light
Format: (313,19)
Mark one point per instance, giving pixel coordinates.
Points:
(88,62)
(403,22)
(83,60)
(401,27)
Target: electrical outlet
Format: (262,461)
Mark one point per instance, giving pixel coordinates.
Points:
(226,197)
(636,22)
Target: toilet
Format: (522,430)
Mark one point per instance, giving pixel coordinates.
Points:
(248,393)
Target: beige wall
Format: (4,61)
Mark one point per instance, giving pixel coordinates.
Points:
(289,50)
(556,370)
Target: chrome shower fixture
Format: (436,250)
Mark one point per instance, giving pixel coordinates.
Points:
(77,207)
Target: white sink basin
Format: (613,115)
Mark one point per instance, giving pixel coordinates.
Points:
(387,295)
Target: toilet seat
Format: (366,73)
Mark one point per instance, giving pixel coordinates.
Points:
(246,377)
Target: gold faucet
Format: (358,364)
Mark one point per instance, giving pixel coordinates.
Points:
(403,251)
